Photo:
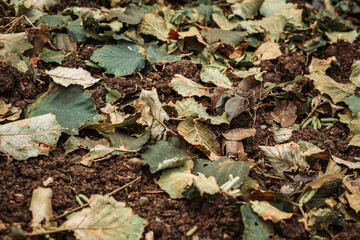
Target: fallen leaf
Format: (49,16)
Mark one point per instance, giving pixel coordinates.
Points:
(41,209)
(238,134)
(235,106)
(285,113)
(269,212)
(188,88)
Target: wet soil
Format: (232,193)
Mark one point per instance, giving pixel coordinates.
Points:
(166,218)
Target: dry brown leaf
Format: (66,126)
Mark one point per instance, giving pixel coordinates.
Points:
(285,113)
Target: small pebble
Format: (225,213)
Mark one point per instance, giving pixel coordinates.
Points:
(144,201)
(135,164)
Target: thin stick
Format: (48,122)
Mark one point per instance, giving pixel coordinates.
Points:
(126,185)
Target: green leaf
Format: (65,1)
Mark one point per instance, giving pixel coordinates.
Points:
(200,136)
(222,168)
(354,103)
(285,157)
(105,219)
(67,76)
(355,73)
(247,8)
(190,108)
(76,30)
(175,181)
(229,37)
(350,37)
(153,24)
(71,105)
(132,14)
(121,60)
(112,94)
(166,154)
(338,92)
(213,75)
(157,55)
(48,56)
(269,212)
(14,42)
(188,88)
(255,227)
(30,137)
(271,6)
(53,21)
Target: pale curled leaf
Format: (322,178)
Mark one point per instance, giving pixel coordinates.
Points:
(105,219)
(14,42)
(268,212)
(66,76)
(41,208)
(268,50)
(30,137)
(320,64)
(152,112)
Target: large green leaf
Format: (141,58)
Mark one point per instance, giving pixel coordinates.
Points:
(222,168)
(166,154)
(76,30)
(71,105)
(14,42)
(338,92)
(30,137)
(200,136)
(52,56)
(213,75)
(190,108)
(121,60)
(255,227)
(105,219)
(153,24)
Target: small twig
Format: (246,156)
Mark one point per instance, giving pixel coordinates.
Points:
(305,218)
(153,192)
(126,185)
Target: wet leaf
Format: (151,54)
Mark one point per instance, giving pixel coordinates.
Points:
(106,218)
(285,157)
(72,106)
(121,60)
(190,108)
(213,75)
(268,50)
(355,74)
(188,88)
(285,113)
(222,168)
(269,212)
(255,227)
(30,137)
(153,24)
(200,136)
(66,76)
(247,8)
(235,106)
(14,42)
(338,92)
(166,154)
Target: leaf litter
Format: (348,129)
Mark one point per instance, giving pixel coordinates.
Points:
(256,81)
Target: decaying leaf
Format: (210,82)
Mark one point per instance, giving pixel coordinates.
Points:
(105,219)
(152,113)
(268,50)
(14,42)
(269,212)
(238,134)
(41,209)
(200,136)
(285,157)
(73,143)
(8,113)
(30,137)
(281,134)
(285,113)
(66,76)
(235,106)
(188,88)
(153,24)
(320,64)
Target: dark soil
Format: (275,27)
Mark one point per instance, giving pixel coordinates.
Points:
(167,218)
